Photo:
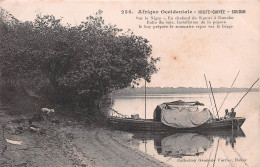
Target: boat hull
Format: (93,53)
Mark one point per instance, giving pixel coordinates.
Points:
(127,124)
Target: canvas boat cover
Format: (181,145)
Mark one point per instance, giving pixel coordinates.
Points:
(185,144)
(180,114)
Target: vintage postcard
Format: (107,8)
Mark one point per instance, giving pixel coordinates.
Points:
(129,83)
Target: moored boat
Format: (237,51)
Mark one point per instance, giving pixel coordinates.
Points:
(180,116)
(129,124)
(177,116)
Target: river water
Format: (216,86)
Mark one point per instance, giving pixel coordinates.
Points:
(217,148)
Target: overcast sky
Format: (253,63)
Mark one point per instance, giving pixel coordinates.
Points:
(186,55)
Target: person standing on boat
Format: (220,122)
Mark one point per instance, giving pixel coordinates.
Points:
(233,118)
(226,114)
(233,113)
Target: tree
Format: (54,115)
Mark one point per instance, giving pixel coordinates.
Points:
(81,63)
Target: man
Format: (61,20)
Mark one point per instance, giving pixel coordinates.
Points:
(233,116)
(233,113)
(226,114)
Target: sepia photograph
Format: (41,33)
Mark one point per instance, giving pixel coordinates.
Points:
(129,83)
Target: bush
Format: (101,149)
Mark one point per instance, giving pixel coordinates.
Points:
(78,64)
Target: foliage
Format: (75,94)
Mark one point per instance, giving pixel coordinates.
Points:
(79,63)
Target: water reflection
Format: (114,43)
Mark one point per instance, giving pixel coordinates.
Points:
(186,144)
(178,145)
(225,145)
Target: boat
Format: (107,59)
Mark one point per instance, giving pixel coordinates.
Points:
(177,116)
(128,124)
(181,116)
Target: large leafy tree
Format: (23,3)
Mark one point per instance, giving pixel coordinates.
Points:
(81,63)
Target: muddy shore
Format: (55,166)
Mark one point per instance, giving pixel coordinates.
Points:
(67,144)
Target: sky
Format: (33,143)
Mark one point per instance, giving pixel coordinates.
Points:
(186,55)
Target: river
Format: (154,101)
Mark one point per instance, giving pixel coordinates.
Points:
(222,148)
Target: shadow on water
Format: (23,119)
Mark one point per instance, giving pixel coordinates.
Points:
(178,145)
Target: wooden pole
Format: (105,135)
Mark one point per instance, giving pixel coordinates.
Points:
(246,93)
(228,91)
(213,98)
(145,99)
(207,87)
(209,94)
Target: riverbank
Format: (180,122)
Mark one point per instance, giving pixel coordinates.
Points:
(66,143)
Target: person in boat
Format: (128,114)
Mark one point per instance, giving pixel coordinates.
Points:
(232,113)
(233,117)
(227,115)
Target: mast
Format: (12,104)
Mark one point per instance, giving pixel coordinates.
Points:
(209,94)
(213,98)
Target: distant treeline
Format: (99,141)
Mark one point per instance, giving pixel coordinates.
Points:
(180,90)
